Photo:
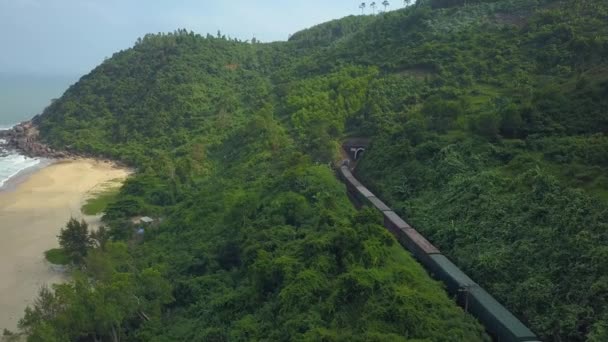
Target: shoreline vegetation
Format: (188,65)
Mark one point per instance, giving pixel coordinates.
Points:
(34,206)
(57,256)
(95,203)
(98,198)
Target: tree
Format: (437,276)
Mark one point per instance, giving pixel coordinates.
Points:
(75,240)
(100,237)
(44,308)
(362,7)
(385,3)
(511,122)
(440,113)
(447,3)
(103,302)
(486,124)
(406,3)
(373,6)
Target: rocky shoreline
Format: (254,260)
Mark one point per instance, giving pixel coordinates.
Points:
(25,138)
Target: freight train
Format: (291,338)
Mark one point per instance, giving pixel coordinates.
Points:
(501,324)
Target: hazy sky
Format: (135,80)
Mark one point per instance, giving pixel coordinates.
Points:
(73,36)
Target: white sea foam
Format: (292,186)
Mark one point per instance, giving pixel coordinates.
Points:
(5,127)
(11,163)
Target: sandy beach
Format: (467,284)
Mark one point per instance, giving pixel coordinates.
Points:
(31,216)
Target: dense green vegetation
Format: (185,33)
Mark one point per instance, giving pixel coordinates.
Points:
(488,125)
(266,246)
(504,165)
(99,200)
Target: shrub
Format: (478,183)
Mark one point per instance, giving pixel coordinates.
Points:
(57,256)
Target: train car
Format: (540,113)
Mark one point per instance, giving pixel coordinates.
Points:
(394,223)
(352,189)
(353,181)
(353,185)
(361,194)
(378,204)
(345,171)
(409,238)
(349,178)
(456,281)
(363,191)
(502,324)
(419,246)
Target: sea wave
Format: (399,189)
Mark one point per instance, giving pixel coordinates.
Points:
(13,164)
(4,127)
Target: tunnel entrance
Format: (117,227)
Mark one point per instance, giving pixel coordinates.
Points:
(355,147)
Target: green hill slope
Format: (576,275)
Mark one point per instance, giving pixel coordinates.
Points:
(258,242)
(488,126)
(502,162)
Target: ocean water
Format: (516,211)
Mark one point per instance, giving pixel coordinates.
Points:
(24,95)
(21,97)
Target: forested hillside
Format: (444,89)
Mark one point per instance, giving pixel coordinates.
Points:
(488,123)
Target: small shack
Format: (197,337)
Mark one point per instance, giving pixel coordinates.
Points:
(146,220)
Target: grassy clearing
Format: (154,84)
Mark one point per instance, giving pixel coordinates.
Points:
(57,256)
(100,199)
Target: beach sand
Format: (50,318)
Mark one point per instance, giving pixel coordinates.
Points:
(31,216)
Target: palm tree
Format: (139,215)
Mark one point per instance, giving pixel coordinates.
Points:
(362,7)
(373,6)
(385,3)
(406,2)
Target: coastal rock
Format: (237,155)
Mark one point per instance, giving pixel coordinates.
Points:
(24,138)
